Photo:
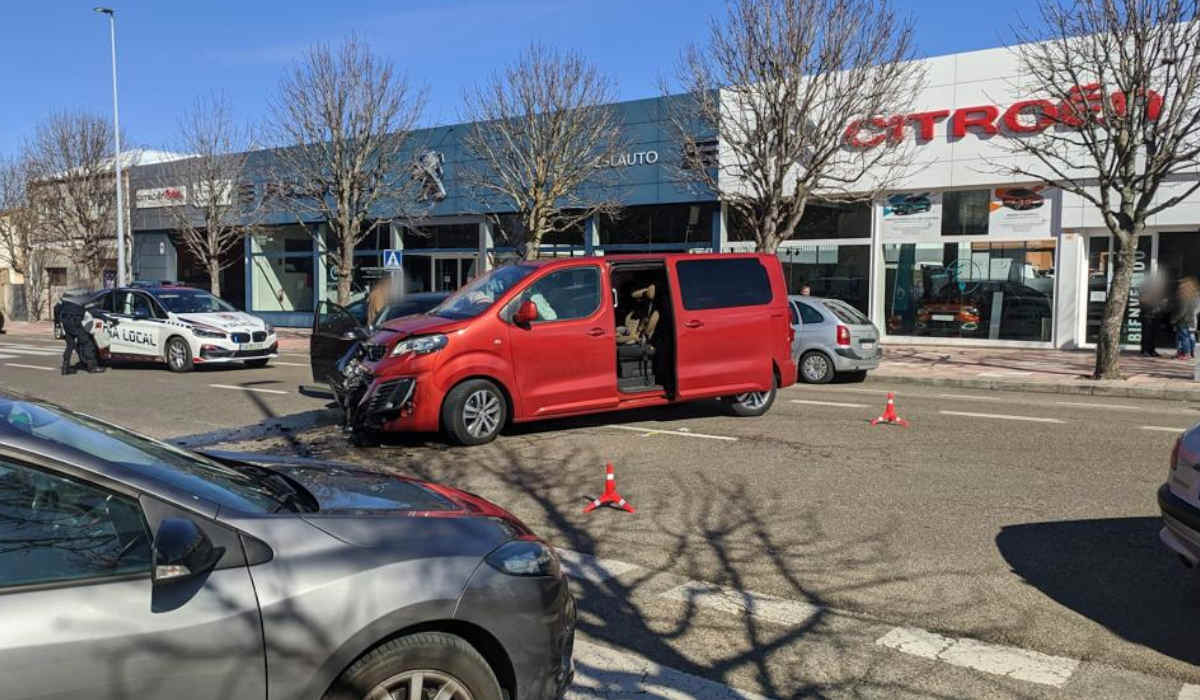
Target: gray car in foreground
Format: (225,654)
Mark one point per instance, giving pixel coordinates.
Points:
(832,338)
(1179,499)
(133,569)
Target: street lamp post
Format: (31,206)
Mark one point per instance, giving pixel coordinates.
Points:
(112,35)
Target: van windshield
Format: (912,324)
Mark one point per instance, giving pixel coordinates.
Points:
(481,293)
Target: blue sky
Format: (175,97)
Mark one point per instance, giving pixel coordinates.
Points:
(55,52)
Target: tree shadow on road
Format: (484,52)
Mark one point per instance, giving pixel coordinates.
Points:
(1114,571)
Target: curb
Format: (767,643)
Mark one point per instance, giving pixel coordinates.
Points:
(1083,388)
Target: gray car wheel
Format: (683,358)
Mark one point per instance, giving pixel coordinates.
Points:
(179,355)
(816,367)
(474,412)
(424,665)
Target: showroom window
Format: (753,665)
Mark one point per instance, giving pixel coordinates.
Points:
(965,212)
(664,224)
(1099,277)
(836,271)
(820,220)
(978,290)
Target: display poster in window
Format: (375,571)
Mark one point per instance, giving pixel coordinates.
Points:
(912,217)
(1020,210)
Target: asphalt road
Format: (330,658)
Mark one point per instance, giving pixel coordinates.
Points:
(1004,545)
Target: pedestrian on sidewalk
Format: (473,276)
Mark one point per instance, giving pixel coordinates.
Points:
(1153,301)
(1184,318)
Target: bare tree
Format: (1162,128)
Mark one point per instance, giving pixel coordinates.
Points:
(769,96)
(22,249)
(1119,125)
(216,211)
(542,134)
(71,187)
(343,118)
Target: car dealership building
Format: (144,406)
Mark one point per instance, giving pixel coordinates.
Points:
(959,253)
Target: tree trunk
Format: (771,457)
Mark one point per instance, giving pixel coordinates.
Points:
(1108,345)
(345,272)
(214,277)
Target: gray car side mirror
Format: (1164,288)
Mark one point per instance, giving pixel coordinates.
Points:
(182,550)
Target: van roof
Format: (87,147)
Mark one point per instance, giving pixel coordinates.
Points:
(637,257)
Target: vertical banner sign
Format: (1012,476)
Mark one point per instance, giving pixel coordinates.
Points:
(911,217)
(1019,210)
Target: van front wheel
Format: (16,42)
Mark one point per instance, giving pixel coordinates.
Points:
(753,403)
(474,412)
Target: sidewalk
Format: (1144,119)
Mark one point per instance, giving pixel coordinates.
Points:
(1049,371)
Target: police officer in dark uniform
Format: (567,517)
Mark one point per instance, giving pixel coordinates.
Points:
(79,339)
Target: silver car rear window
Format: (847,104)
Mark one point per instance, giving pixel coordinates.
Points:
(846,313)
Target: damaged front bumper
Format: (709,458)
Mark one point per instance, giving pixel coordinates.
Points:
(368,403)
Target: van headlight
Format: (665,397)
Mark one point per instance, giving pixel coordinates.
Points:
(421,345)
(524,558)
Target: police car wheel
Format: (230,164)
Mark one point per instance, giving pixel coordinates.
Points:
(179,355)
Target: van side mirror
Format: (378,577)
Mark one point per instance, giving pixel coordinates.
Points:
(182,550)
(526,314)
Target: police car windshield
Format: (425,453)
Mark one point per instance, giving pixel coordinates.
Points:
(252,490)
(481,293)
(192,301)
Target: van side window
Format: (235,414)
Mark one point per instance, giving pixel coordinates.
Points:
(718,284)
(566,294)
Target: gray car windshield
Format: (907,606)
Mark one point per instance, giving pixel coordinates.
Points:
(250,490)
(481,293)
(192,301)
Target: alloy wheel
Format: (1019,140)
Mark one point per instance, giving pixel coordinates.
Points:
(815,366)
(420,684)
(177,354)
(752,400)
(481,413)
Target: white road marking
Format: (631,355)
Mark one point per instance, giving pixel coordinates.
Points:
(601,671)
(585,567)
(247,388)
(43,352)
(7,357)
(289,364)
(1113,406)
(781,611)
(972,397)
(1163,428)
(839,390)
(1000,416)
(830,403)
(655,431)
(17,364)
(1189,692)
(1005,373)
(1022,664)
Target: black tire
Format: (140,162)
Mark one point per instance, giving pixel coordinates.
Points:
(754,404)
(178,354)
(258,363)
(815,368)
(464,406)
(431,651)
(856,377)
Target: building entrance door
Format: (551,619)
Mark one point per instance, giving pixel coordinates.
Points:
(452,271)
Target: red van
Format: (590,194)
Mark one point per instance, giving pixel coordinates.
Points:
(564,337)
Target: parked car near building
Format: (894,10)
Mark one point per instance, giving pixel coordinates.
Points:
(135,569)
(180,326)
(407,305)
(1179,499)
(563,337)
(832,338)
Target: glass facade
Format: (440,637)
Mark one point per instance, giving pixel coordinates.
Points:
(831,270)
(282,271)
(974,290)
(1099,277)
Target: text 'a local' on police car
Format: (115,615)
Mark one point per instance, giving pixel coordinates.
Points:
(181,326)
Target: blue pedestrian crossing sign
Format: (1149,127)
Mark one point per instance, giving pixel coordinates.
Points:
(392,258)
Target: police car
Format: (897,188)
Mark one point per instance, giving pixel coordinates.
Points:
(181,326)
